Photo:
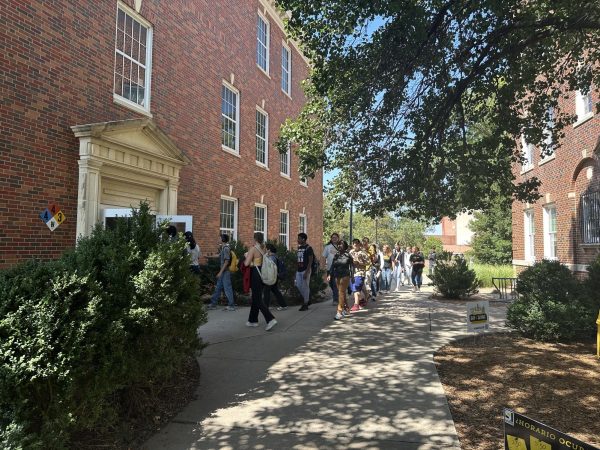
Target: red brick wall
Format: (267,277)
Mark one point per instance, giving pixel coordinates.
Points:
(56,71)
(564,178)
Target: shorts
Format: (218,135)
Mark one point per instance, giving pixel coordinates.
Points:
(357,283)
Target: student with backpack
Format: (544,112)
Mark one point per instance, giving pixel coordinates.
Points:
(306,256)
(281,273)
(262,270)
(224,276)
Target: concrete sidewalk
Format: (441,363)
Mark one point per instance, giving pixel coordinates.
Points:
(366,382)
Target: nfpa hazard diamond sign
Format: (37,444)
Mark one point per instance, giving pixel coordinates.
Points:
(52,216)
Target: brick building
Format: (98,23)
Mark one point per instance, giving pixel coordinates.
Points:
(564,224)
(178,103)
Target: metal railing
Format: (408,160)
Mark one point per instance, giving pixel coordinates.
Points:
(506,287)
(590,217)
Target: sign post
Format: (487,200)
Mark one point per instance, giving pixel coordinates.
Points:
(523,433)
(478,318)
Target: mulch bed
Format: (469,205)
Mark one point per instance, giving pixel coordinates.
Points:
(144,412)
(557,384)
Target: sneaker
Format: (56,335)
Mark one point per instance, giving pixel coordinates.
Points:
(339,316)
(229,308)
(251,324)
(354,308)
(303,308)
(345,313)
(271,324)
(281,308)
(415,288)
(211,306)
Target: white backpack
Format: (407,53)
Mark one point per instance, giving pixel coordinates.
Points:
(269,269)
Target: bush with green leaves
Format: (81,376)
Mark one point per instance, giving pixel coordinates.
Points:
(452,277)
(117,312)
(591,286)
(552,304)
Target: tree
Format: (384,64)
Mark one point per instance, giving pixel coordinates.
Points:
(388,228)
(492,241)
(432,243)
(398,85)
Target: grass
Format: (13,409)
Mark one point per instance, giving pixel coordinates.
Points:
(485,272)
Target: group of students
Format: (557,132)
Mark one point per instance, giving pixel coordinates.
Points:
(364,271)
(253,263)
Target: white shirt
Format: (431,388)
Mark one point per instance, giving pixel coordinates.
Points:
(328,253)
(194,254)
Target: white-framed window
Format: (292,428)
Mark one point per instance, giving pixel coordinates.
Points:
(549,140)
(284,228)
(584,105)
(302,227)
(260,219)
(286,69)
(228,217)
(550,243)
(284,162)
(230,118)
(590,217)
(133,59)
(262,42)
(527,150)
(529,235)
(262,137)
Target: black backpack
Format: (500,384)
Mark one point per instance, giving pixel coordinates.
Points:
(281,269)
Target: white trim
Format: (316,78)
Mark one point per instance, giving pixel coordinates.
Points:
(286,176)
(522,262)
(235,215)
(577,267)
(547,159)
(289,163)
(287,212)
(268,44)
(263,206)
(581,106)
(527,150)
(119,99)
(571,267)
(187,220)
(546,220)
(288,68)
(529,234)
(266,115)
(583,120)
(305,230)
(236,150)
(305,182)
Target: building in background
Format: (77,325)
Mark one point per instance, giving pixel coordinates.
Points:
(105,104)
(564,224)
(455,234)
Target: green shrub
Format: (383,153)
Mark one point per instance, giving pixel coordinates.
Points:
(118,311)
(453,278)
(551,305)
(485,272)
(592,286)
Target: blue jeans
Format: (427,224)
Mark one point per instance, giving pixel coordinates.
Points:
(333,286)
(417,277)
(386,279)
(373,281)
(223,284)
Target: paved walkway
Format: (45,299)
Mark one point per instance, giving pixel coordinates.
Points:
(366,382)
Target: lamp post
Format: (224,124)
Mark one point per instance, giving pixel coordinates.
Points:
(351,218)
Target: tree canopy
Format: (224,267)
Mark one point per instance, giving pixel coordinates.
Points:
(492,238)
(397,86)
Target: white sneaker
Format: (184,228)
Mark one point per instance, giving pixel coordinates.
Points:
(229,308)
(271,324)
(338,316)
(251,324)
(281,308)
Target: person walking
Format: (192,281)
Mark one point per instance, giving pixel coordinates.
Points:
(193,249)
(329,253)
(432,257)
(272,254)
(360,259)
(342,268)
(366,246)
(386,268)
(408,265)
(418,263)
(375,269)
(398,260)
(223,277)
(306,255)
(254,259)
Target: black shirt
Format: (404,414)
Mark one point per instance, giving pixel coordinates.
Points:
(418,261)
(304,253)
(342,265)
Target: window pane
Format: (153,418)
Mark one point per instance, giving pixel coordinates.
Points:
(262,44)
